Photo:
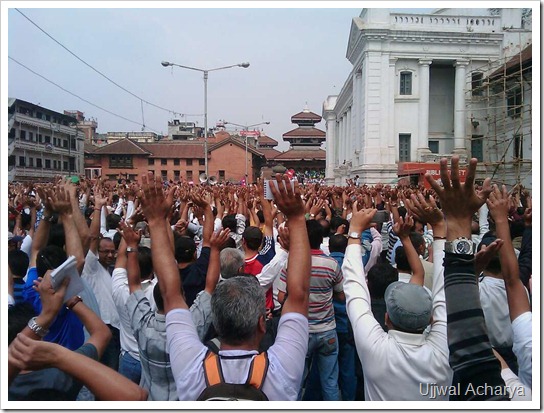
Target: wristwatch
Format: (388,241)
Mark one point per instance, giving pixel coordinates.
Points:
(132,249)
(461,245)
(36,328)
(354,235)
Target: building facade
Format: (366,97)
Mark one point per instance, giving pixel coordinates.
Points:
(407,98)
(42,143)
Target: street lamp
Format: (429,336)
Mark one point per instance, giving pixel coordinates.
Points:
(246,128)
(205,71)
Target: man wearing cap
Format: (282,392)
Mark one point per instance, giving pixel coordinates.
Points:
(399,364)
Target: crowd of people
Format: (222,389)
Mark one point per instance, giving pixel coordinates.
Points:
(212,292)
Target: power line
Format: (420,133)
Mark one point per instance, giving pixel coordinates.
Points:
(99,72)
(79,97)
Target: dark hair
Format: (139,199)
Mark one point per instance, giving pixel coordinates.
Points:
(338,243)
(56,235)
(18,262)
(18,316)
(315,233)
(417,240)
(326,225)
(117,237)
(25,220)
(402,211)
(379,277)
(49,258)
(229,221)
(185,249)
(145,261)
(112,221)
(260,215)
(401,259)
(253,237)
(229,243)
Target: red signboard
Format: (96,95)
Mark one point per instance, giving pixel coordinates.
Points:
(253,133)
(420,169)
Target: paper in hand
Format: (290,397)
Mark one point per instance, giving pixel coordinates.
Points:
(67,269)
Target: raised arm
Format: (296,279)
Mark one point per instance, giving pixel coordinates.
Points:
(94,230)
(79,219)
(156,208)
(131,240)
(207,230)
(518,302)
(403,228)
(214,267)
(298,270)
(102,381)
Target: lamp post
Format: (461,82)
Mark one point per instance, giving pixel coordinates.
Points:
(246,128)
(205,72)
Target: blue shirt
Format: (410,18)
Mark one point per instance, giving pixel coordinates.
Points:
(340,313)
(66,330)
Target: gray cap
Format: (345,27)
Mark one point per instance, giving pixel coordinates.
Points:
(409,306)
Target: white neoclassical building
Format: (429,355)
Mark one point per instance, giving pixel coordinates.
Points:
(409,99)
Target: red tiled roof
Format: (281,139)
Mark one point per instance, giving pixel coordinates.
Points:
(237,142)
(269,153)
(89,148)
(514,62)
(266,140)
(301,154)
(122,147)
(305,133)
(188,150)
(306,116)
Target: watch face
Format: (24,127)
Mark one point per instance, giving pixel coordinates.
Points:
(463,247)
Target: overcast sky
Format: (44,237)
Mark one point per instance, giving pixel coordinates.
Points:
(296,56)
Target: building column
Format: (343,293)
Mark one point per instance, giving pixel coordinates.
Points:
(342,140)
(423,108)
(331,138)
(459,115)
(349,138)
(390,116)
(357,115)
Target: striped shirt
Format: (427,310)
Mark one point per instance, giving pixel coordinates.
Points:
(326,277)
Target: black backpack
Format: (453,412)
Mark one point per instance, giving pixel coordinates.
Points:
(216,388)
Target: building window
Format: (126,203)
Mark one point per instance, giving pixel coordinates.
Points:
(404,147)
(54,164)
(201,162)
(30,136)
(434,146)
(31,162)
(518,146)
(477,82)
(176,162)
(164,161)
(39,115)
(65,143)
(47,139)
(22,161)
(405,83)
(514,102)
(120,161)
(48,163)
(221,175)
(72,164)
(38,162)
(48,118)
(477,147)
(73,143)
(22,135)
(176,175)
(150,161)
(189,162)
(164,175)
(40,138)
(189,175)
(65,165)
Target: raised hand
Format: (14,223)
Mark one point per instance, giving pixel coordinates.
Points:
(283,237)
(131,237)
(219,238)
(423,210)
(498,203)
(288,199)
(486,253)
(403,227)
(459,201)
(60,201)
(361,220)
(155,204)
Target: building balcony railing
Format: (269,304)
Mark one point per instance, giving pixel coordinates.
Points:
(47,125)
(23,173)
(479,24)
(42,147)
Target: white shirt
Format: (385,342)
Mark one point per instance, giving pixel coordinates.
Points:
(516,389)
(120,293)
(523,347)
(100,281)
(495,308)
(395,363)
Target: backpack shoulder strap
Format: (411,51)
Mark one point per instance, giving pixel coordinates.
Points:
(258,370)
(212,369)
